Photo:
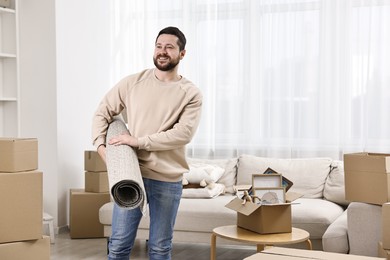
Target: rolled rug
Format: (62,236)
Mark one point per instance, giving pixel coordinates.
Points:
(124,175)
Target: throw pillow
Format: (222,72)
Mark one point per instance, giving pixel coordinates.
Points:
(308,174)
(334,186)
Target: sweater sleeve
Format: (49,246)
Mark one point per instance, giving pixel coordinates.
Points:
(182,131)
(111,105)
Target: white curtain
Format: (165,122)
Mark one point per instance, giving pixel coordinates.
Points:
(280,78)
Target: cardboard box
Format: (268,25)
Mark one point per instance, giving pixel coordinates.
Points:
(32,250)
(281,253)
(18,154)
(96,182)
(84,213)
(367,177)
(263,219)
(21,206)
(93,162)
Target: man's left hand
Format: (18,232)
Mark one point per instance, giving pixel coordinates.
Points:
(124,138)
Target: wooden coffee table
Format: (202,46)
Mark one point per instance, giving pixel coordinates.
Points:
(261,240)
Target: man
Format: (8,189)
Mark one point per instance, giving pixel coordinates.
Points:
(163,112)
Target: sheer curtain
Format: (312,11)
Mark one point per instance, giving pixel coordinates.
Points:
(280,78)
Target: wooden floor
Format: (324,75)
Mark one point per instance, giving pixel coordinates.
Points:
(66,248)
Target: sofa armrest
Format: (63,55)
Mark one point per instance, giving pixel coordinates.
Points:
(335,238)
(364,228)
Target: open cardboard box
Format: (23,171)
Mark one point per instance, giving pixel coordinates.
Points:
(263,219)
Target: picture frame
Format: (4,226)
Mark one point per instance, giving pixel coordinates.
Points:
(285,182)
(276,195)
(271,180)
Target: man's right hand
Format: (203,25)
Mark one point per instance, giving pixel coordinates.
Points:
(102,152)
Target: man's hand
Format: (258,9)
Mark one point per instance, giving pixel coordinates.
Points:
(124,138)
(102,152)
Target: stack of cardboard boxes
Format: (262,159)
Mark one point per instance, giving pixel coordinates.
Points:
(21,201)
(367,179)
(85,203)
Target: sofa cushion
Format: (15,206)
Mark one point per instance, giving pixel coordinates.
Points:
(229,176)
(308,175)
(204,215)
(314,215)
(201,215)
(334,189)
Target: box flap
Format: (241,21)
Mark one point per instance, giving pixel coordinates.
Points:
(246,209)
(291,196)
(242,187)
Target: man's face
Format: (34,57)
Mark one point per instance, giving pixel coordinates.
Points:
(167,53)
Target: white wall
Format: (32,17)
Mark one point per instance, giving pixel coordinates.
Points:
(38,107)
(83,77)
(65,71)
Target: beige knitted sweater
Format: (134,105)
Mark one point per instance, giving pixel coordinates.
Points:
(163,116)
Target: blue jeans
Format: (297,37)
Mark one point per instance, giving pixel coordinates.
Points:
(164,200)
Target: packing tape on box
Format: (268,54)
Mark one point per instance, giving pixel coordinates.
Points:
(124,175)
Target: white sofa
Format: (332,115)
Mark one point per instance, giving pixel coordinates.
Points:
(318,179)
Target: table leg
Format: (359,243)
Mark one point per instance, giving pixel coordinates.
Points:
(213,246)
(309,245)
(260,247)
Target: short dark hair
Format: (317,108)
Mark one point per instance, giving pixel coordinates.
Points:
(174,31)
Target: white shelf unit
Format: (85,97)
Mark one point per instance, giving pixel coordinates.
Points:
(9,71)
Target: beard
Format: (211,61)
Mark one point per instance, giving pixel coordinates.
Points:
(167,66)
